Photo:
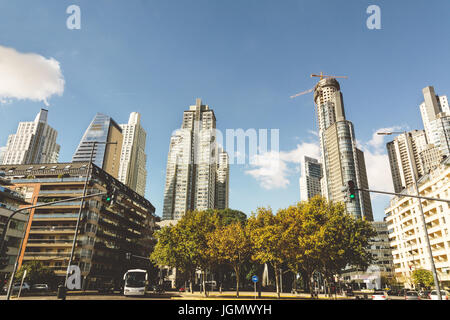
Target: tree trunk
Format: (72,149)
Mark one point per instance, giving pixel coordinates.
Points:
(236,271)
(204,285)
(277,280)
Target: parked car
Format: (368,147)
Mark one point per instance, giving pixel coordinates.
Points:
(380,295)
(412,295)
(40,287)
(434,296)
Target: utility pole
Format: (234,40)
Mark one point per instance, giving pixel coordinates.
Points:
(86,181)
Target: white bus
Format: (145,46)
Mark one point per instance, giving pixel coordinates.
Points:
(136,281)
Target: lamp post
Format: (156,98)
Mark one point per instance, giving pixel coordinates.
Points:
(422,215)
(88,174)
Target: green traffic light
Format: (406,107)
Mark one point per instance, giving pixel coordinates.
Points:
(108,199)
(352,196)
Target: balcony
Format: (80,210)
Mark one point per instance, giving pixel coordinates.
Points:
(52,216)
(62,204)
(50,243)
(44,192)
(44,180)
(52,230)
(47,255)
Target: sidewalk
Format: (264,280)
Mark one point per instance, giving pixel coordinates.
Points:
(247,295)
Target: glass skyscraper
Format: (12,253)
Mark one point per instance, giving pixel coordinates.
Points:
(102,129)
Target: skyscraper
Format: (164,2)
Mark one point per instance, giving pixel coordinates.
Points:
(195,166)
(102,129)
(132,171)
(400,161)
(431,108)
(341,160)
(427,147)
(222,180)
(34,142)
(435,113)
(311,173)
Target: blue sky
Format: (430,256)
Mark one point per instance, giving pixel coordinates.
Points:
(244,59)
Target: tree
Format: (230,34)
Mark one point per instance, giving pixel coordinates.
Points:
(229,216)
(37,273)
(230,244)
(318,235)
(183,246)
(265,232)
(423,278)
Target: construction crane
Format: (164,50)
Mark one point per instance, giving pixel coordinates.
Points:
(321,76)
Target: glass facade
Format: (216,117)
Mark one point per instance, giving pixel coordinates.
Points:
(97,132)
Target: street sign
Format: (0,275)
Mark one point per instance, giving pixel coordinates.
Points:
(255,280)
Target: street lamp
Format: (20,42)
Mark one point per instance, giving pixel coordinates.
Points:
(422,215)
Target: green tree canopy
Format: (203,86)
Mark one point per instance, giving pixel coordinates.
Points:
(423,278)
(36,273)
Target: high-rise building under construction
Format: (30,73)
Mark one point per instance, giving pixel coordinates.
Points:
(342,161)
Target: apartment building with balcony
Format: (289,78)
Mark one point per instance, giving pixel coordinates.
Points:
(406,231)
(106,232)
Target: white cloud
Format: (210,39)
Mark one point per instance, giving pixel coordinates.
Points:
(28,76)
(273,169)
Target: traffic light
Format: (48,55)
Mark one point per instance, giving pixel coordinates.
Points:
(3,255)
(351,190)
(110,197)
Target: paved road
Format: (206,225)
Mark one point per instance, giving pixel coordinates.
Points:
(228,295)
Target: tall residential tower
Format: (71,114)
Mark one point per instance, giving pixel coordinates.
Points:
(34,142)
(196,173)
(310,178)
(341,160)
(132,171)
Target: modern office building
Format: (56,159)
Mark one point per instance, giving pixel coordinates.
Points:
(133,159)
(34,142)
(405,163)
(9,202)
(406,230)
(192,165)
(103,129)
(311,173)
(106,232)
(341,160)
